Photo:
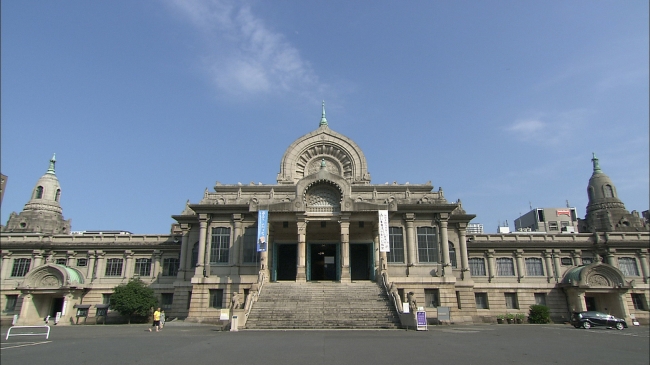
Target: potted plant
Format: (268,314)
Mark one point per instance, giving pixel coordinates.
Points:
(519,318)
(510,317)
(501,318)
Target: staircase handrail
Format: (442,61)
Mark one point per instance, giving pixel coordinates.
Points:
(387,284)
(256,294)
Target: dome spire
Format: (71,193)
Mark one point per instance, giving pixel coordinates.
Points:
(323,120)
(594,160)
(50,170)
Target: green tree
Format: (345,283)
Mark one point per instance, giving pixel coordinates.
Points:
(133,298)
(539,314)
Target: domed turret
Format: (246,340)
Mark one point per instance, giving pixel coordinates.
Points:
(605,211)
(42,213)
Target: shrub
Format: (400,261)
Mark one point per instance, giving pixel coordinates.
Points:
(539,314)
(133,300)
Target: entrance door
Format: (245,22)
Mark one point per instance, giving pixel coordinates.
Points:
(323,262)
(286,261)
(57,306)
(590,303)
(360,261)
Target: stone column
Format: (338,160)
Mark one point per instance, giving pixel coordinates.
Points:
(549,265)
(69,258)
(581,304)
(200,264)
(128,264)
(345,248)
(101,263)
(645,271)
(611,257)
(410,238)
(38,259)
(575,257)
(6,265)
(237,248)
(91,265)
(183,265)
(157,255)
(521,269)
(382,265)
(490,262)
(264,255)
(464,261)
(557,264)
(444,237)
(302,246)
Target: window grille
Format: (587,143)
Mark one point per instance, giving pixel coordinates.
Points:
(167,299)
(511,300)
(143,267)
(427,244)
(10,305)
(82,262)
(220,247)
(477,266)
(638,301)
(505,267)
(113,267)
(432,298)
(540,298)
(452,255)
(216,298)
(61,262)
(628,266)
(21,267)
(170,266)
(250,246)
(396,240)
(481,300)
(534,267)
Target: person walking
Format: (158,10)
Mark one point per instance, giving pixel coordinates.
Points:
(156,320)
(162,319)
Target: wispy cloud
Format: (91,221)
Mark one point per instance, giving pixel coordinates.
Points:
(242,55)
(548,129)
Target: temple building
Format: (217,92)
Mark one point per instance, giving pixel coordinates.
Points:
(323,222)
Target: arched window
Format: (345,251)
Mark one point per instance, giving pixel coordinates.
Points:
(452,255)
(39,192)
(58,195)
(609,191)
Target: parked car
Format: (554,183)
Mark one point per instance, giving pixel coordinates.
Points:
(589,319)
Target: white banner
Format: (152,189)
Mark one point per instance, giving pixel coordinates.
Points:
(384,241)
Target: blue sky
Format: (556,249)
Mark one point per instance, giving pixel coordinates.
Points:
(148,103)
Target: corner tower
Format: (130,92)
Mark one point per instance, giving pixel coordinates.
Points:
(42,213)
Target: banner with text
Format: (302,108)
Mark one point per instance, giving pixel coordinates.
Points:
(262,231)
(384,242)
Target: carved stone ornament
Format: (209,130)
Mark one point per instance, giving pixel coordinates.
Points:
(50,281)
(598,280)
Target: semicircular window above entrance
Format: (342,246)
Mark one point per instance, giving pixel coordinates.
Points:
(323,199)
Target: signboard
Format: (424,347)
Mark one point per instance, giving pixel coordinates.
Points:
(421,320)
(443,314)
(225,314)
(384,240)
(262,231)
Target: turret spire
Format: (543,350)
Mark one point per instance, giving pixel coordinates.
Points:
(50,170)
(594,160)
(323,120)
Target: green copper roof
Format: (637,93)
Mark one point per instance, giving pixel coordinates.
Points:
(323,120)
(74,276)
(597,169)
(573,275)
(52,162)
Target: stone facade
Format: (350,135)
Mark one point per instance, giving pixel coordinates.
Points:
(323,225)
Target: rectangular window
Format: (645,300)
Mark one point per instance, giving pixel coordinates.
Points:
(552,226)
(432,298)
(142,267)
(250,246)
(10,306)
(458,300)
(534,267)
(82,262)
(220,246)
(587,260)
(61,262)
(566,261)
(189,299)
(21,267)
(637,299)
(166,300)
(540,298)
(505,267)
(477,266)
(427,244)
(396,241)
(628,266)
(481,300)
(216,298)
(452,255)
(113,267)
(106,298)
(170,266)
(511,300)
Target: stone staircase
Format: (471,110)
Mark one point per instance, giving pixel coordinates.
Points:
(322,305)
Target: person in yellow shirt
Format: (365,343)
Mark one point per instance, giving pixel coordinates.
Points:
(156,320)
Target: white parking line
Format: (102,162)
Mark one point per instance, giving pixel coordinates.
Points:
(26,344)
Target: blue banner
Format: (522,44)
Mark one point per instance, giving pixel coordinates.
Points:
(262,230)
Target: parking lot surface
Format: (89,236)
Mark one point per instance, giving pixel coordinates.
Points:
(180,343)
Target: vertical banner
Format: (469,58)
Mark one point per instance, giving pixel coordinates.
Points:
(262,232)
(384,242)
